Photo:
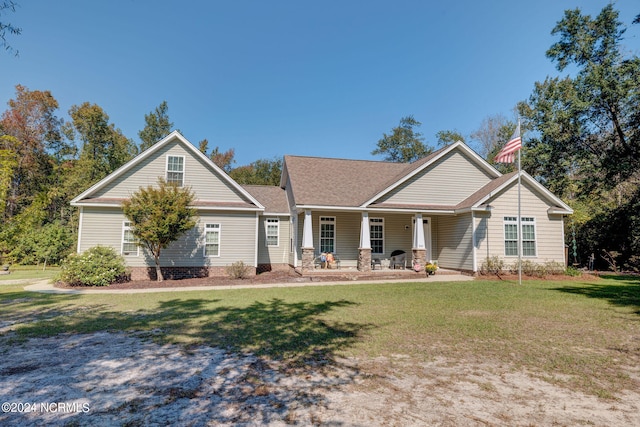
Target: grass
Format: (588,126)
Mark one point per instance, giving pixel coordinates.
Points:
(582,334)
(24,272)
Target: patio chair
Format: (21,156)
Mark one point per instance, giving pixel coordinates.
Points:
(398,259)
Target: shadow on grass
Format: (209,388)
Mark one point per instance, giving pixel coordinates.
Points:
(262,363)
(623,292)
(294,332)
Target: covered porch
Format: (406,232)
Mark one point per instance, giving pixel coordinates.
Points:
(365,241)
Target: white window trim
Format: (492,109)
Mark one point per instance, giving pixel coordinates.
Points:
(377,221)
(184,167)
(204,237)
(327,220)
(524,220)
(126,226)
(271,221)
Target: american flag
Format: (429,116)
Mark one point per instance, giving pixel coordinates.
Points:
(508,152)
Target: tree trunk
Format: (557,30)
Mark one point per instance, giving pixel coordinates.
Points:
(159,276)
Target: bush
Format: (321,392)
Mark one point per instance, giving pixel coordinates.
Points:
(492,265)
(97,266)
(238,270)
(573,272)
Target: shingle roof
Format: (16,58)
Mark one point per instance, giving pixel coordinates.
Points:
(274,199)
(343,182)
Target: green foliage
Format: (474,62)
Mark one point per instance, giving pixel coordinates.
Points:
(446,137)
(159,216)
(97,266)
(573,272)
(238,270)
(404,144)
(260,172)
(585,143)
(104,148)
(157,126)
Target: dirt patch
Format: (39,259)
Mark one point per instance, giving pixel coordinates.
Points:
(124,379)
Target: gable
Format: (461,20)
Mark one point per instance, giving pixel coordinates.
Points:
(447,181)
(212,187)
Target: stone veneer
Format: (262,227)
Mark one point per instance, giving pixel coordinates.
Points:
(364,259)
(307,259)
(420,255)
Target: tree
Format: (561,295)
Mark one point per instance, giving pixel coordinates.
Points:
(157,126)
(585,143)
(446,137)
(490,134)
(7,28)
(160,216)
(104,148)
(260,172)
(223,159)
(403,144)
(30,127)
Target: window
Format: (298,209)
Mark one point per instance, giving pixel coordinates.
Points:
(376,231)
(212,240)
(129,242)
(272,229)
(175,170)
(327,234)
(528,237)
(528,225)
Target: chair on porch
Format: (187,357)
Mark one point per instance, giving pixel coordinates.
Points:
(398,259)
(326,260)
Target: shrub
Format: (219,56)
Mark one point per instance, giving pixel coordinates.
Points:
(492,265)
(238,270)
(97,266)
(573,272)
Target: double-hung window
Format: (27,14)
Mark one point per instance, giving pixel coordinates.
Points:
(376,231)
(212,240)
(528,225)
(272,230)
(175,170)
(129,242)
(327,234)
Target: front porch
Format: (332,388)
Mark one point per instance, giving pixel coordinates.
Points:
(353,274)
(364,241)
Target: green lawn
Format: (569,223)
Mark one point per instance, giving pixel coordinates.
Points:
(584,334)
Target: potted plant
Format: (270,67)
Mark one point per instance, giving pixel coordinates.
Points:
(430,268)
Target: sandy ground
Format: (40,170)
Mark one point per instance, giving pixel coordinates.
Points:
(105,379)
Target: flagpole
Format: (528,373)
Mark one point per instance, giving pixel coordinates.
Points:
(519,222)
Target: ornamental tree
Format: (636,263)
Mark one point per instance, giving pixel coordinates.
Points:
(159,215)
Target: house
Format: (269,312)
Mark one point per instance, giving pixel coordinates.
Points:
(451,207)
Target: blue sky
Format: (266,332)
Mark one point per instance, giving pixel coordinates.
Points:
(268,78)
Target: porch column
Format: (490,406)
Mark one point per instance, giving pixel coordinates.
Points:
(307,242)
(364,251)
(419,249)
(418,233)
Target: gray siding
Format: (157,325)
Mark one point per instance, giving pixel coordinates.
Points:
(203,180)
(103,226)
(549,228)
(448,181)
(454,247)
(274,254)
